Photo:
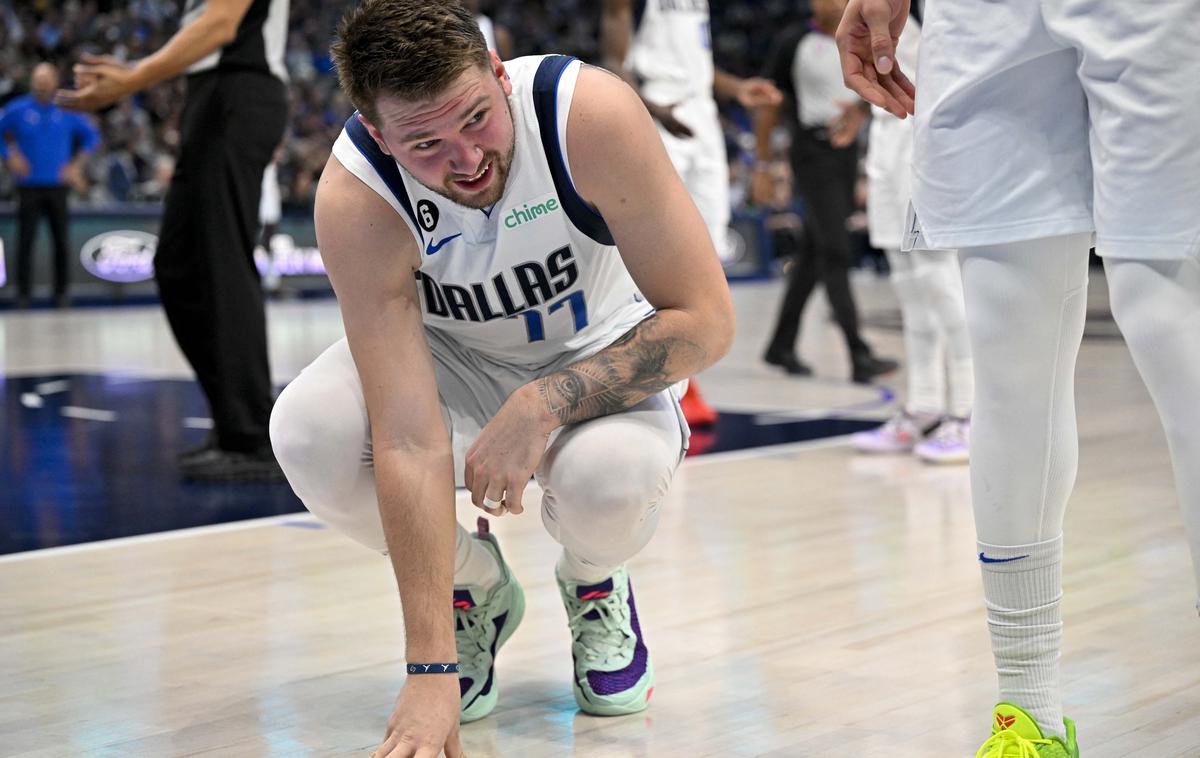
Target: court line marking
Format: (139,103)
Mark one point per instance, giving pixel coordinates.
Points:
(52,387)
(767,451)
(88,414)
(190,531)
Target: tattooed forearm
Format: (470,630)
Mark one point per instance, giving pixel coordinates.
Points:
(643,362)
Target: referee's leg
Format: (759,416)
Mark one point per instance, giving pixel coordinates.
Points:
(205,269)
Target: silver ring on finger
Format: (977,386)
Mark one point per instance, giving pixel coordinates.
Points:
(493,504)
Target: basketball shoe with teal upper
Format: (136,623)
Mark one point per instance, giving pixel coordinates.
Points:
(484,619)
(613,673)
(1016,735)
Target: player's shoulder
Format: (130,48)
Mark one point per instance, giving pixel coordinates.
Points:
(339,190)
(602,94)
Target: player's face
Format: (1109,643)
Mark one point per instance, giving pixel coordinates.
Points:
(458,144)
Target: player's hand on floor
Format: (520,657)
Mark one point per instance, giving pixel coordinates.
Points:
(504,455)
(425,720)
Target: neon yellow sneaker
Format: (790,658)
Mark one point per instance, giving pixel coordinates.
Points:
(1016,735)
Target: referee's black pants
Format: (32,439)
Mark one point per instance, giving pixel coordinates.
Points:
(824,178)
(210,289)
(33,203)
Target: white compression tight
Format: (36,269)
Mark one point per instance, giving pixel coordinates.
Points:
(1026,305)
(928,284)
(604,480)
(1157,306)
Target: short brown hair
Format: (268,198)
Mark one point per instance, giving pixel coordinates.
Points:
(412,49)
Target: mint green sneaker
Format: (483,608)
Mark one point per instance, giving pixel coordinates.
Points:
(483,622)
(1016,735)
(613,673)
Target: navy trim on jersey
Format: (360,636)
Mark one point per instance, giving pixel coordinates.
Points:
(383,164)
(545,104)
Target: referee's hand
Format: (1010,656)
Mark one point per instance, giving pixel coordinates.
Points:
(866,40)
(100,81)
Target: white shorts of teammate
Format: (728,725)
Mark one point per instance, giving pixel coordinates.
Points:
(889,178)
(1039,118)
(604,480)
(928,283)
(701,162)
(269,205)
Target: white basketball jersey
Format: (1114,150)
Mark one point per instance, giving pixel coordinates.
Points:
(534,278)
(672,49)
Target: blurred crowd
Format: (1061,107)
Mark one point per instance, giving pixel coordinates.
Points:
(139,136)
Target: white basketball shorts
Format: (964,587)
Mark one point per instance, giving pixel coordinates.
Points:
(1038,118)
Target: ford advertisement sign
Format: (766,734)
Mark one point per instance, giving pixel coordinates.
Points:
(123,257)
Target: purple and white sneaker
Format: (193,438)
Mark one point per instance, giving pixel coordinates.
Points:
(949,443)
(899,434)
(613,673)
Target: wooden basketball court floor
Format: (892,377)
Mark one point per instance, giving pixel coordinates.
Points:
(799,600)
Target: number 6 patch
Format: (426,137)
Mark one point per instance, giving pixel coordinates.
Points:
(427,215)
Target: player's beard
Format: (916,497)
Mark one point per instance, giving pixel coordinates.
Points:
(495,188)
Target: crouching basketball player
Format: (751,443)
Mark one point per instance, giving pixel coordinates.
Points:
(523,280)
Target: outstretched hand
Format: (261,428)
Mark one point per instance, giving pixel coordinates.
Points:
(100,81)
(866,41)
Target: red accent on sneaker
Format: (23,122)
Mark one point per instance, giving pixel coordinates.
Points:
(462,604)
(695,410)
(1004,722)
(649,692)
(594,595)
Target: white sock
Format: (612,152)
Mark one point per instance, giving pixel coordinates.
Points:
(572,568)
(1022,589)
(474,564)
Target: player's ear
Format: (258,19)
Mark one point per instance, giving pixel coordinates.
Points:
(500,72)
(375,134)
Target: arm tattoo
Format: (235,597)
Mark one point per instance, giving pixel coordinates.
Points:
(641,363)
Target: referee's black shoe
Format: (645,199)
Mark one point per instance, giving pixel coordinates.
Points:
(215,464)
(788,362)
(864,367)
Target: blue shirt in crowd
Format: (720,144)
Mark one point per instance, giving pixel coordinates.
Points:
(47,136)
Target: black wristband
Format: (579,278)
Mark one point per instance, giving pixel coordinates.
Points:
(433,668)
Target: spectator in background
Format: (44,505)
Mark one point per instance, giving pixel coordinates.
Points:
(45,148)
(824,120)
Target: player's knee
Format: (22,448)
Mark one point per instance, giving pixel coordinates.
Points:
(1142,328)
(608,506)
(315,434)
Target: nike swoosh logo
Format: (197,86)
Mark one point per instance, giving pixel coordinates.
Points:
(985,559)
(432,248)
